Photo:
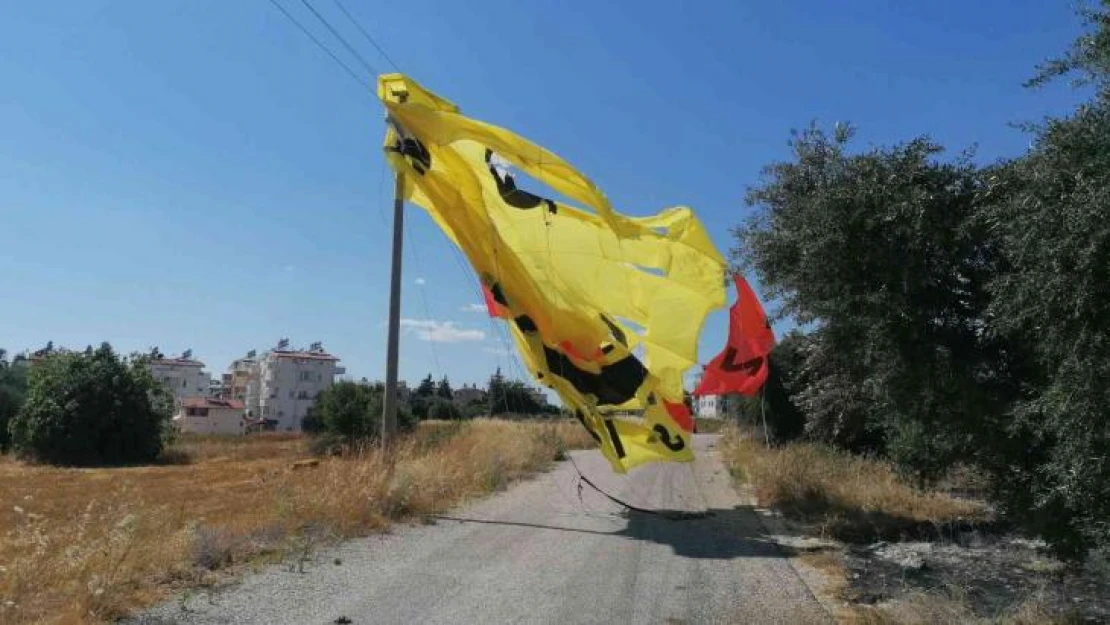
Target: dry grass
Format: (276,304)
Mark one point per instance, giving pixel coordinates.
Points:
(87,545)
(949,608)
(843,496)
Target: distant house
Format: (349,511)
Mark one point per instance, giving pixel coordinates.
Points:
(210,415)
(469,393)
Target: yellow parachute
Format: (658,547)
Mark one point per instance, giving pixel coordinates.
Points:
(604,308)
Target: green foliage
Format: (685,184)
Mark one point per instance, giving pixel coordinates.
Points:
(876,250)
(785,420)
(443,389)
(353,412)
(1054,298)
(427,387)
(1089,55)
(512,397)
(475,408)
(444,410)
(957,312)
(92,408)
(13,392)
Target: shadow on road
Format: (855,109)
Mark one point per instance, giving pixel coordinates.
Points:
(717,534)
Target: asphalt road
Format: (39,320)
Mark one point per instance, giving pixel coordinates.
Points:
(537,553)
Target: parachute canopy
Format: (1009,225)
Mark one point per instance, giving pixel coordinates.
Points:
(604,308)
(742,366)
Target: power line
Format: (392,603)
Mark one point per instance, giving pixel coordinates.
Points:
(361,59)
(304,30)
(366,34)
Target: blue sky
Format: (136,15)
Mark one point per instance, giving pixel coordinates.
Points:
(197,174)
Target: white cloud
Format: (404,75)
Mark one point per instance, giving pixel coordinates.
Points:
(473,308)
(441,331)
(421,281)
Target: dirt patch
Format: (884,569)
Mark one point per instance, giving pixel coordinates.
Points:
(990,575)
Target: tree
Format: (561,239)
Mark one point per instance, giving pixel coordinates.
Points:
(443,389)
(878,251)
(511,397)
(1049,209)
(91,408)
(427,387)
(353,412)
(13,391)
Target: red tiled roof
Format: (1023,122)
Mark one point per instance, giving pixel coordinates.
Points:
(211,402)
(309,355)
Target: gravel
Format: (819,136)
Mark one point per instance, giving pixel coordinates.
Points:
(540,553)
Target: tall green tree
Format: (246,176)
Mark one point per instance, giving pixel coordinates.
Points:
(91,408)
(1050,210)
(427,387)
(877,251)
(444,390)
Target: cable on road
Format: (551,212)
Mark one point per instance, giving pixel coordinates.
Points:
(673,516)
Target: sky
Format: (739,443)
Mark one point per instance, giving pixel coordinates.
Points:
(197,174)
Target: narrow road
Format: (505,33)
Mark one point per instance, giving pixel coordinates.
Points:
(537,553)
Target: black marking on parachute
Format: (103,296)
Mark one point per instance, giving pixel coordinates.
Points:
(616,384)
(498,294)
(617,444)
(525,323)
(729,363)
(605,349)
(616,331)
(417,151)
(665,437)
(582,419)
(651,399)
(517,198)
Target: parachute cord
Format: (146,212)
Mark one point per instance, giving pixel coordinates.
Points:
(583,479)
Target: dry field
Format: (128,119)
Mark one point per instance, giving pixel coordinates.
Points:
(87,545)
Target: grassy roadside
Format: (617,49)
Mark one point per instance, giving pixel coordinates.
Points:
(839,495)
(832,495)
(87,545)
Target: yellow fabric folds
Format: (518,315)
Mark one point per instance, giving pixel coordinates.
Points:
(604,308)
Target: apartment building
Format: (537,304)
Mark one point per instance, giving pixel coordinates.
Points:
(241,382)
(183,376)
(289,382)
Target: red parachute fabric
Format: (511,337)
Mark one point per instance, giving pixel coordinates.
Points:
(742,366)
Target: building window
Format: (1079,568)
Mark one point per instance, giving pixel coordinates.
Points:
(292,394)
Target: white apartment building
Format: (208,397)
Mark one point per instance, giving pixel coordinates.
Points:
(290,380)
(183,376)
(242,382)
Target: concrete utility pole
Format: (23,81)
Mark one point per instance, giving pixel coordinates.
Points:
(389,411)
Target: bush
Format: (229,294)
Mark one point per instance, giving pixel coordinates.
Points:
(13,390)
(444,410)
(353,412)
(91,408)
